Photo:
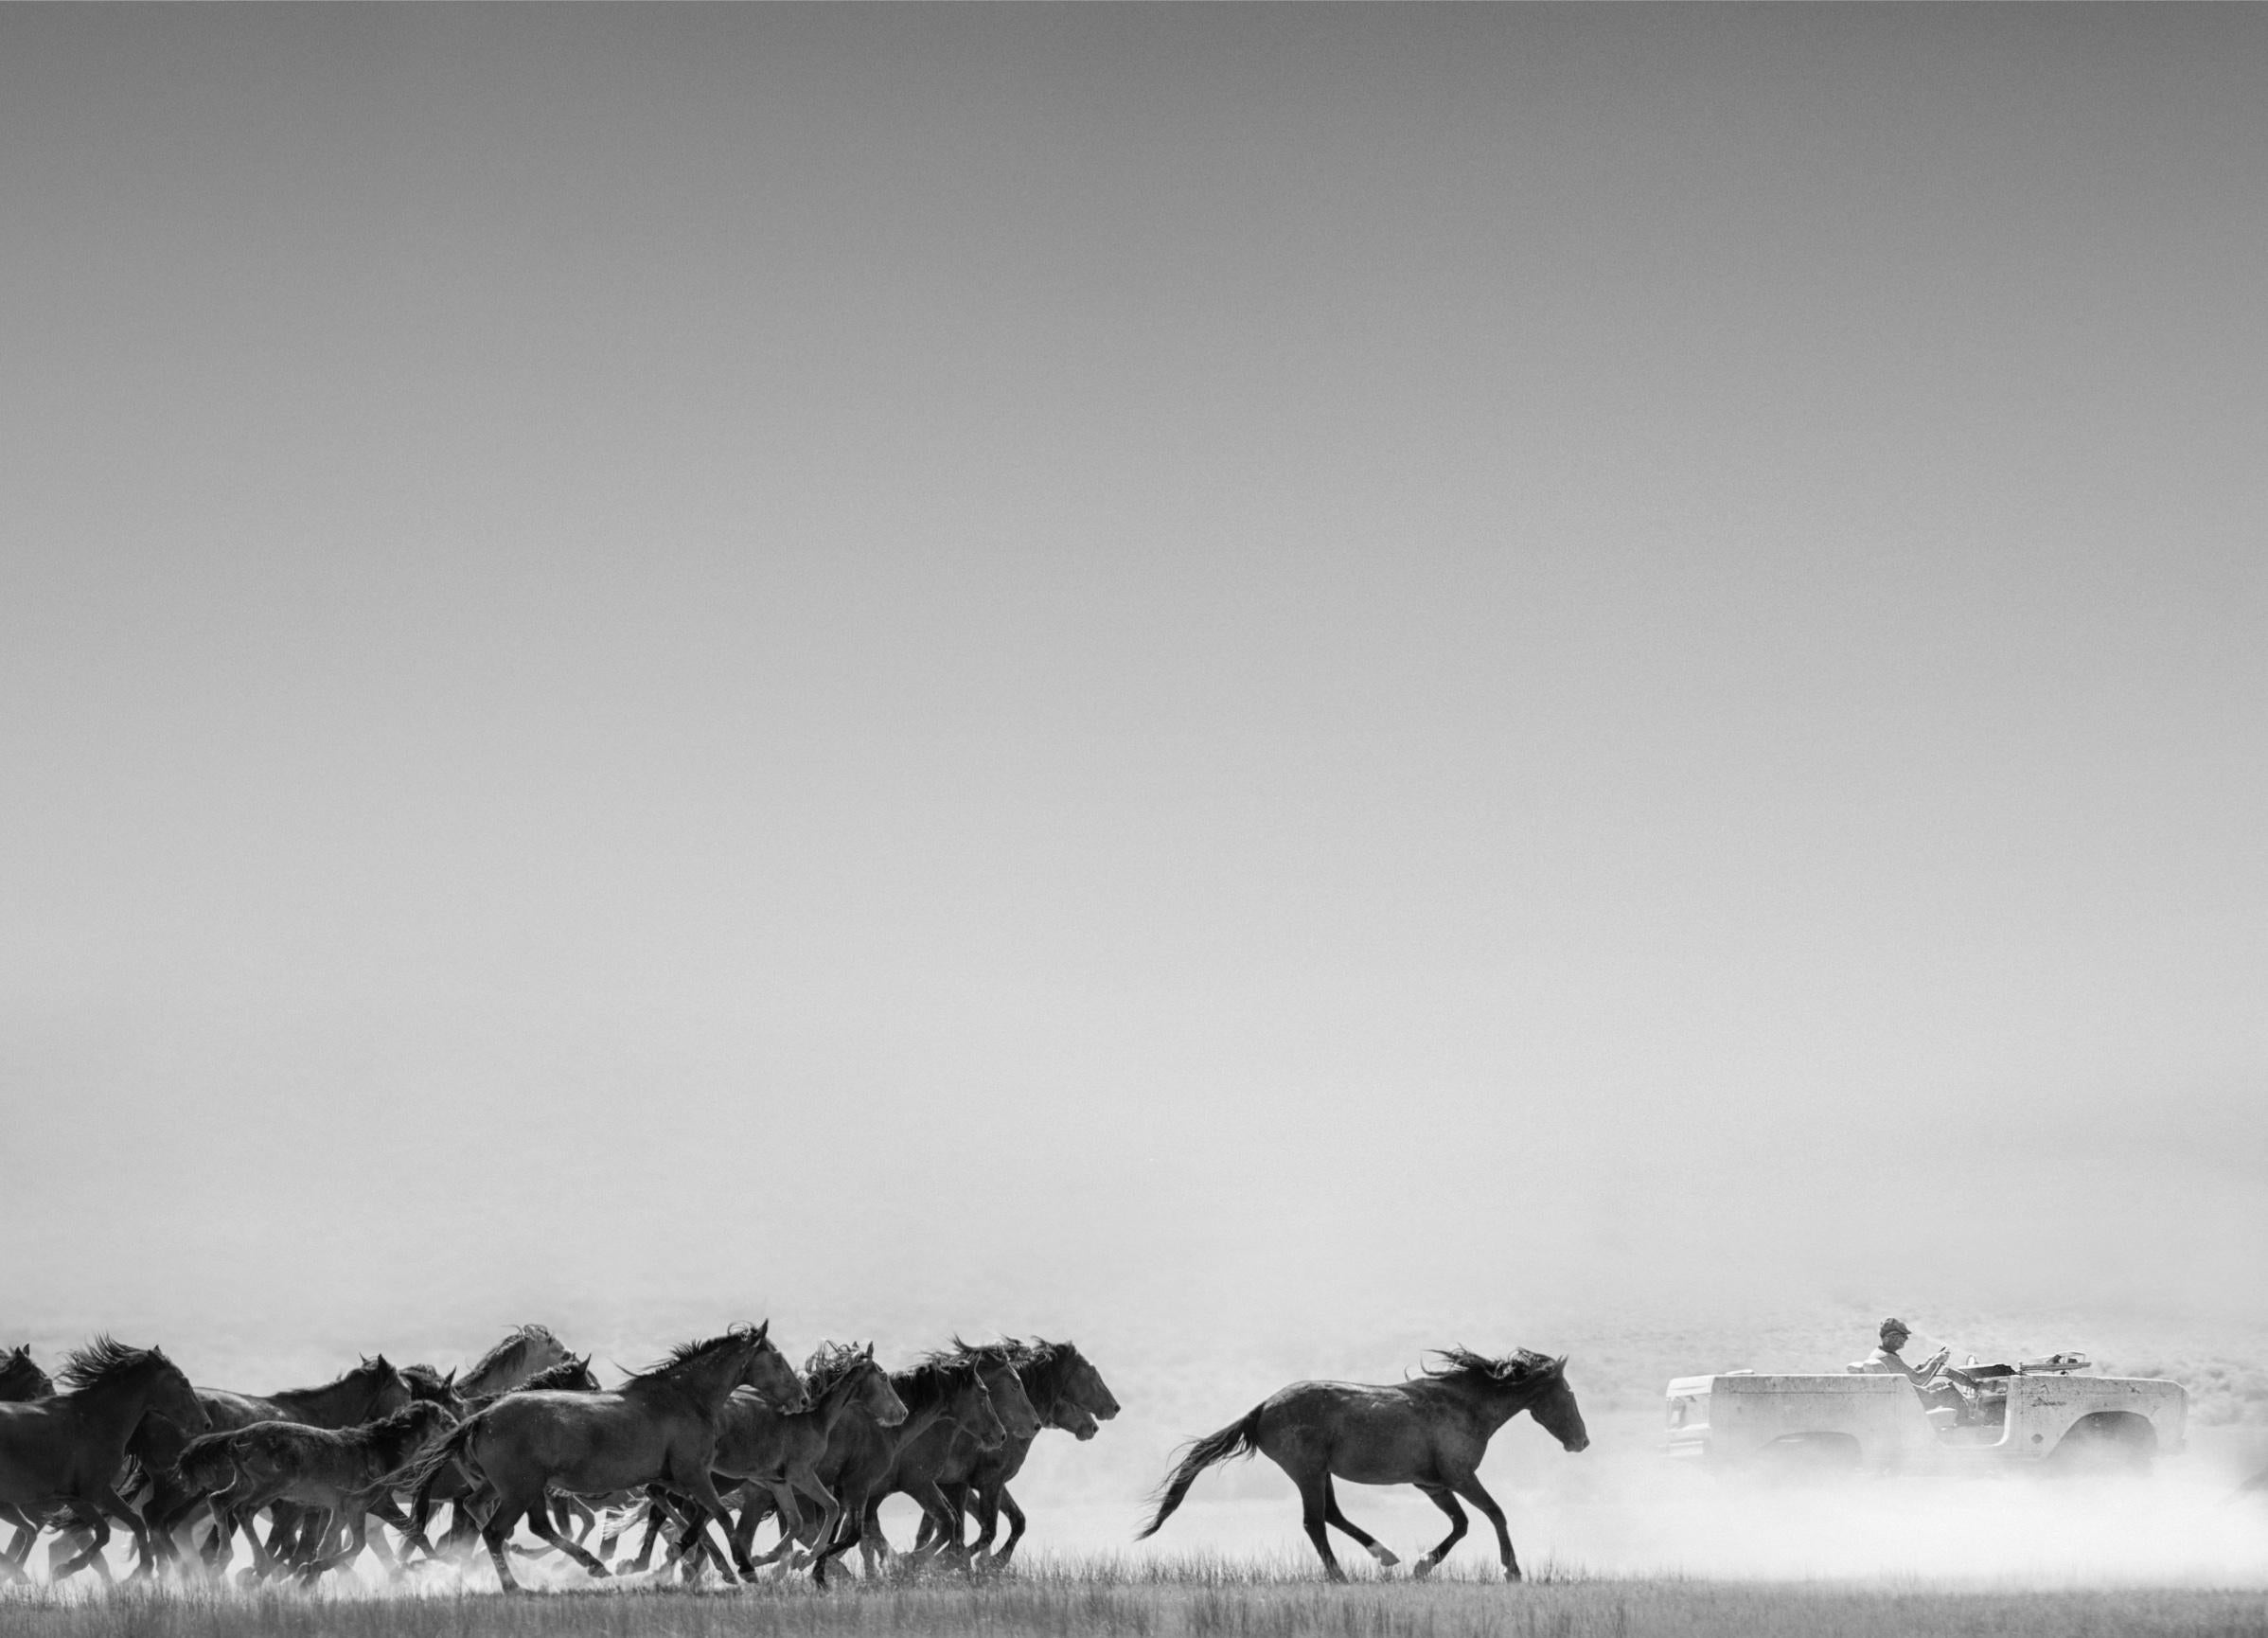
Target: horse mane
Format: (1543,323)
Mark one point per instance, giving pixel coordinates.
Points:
(1004,1354)
(376,1366)
(1464,1365)
(932,1379)
(1044,1369)
(105,1361)
(568,1375)
(366,1434)
(506,1354)
(425,1380)
(829,1367)
(688,1353)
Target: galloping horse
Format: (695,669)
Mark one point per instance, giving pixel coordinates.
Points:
(21,1382)
(571,1376)
(1430,1433)
(774,1455)
(861,1453)
(947,1454)
(1070,1394)
(371,1390)
(335,1471)
(67,1448)
(659,1427)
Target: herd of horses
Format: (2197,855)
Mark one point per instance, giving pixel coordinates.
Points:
(723,1432)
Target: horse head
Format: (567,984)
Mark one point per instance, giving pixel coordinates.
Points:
(1554,1406)
(1074,1419)
(384,1387)
(769,1372)
(172,1396)
(971,1407)
(996,1363)
(428,1386)
(1086,1386)
(876,1398)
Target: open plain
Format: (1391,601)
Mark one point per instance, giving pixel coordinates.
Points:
(1192,1597)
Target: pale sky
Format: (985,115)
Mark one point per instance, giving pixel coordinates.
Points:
(1072,668)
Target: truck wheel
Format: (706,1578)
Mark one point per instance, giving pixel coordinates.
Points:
(2106,1442)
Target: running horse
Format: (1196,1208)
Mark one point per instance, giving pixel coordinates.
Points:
(945,1455)
(371,1390)
(1068,1392)
(67,1448)
(659,1428)
(21,1382)
(336,1472)
(861,1454)
(1430,1431)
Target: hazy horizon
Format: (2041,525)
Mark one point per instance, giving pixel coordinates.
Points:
(1237,681)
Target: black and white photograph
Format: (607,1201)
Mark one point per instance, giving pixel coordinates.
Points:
(1133,820)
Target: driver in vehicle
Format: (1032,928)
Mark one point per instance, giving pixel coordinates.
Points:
(1887,1360)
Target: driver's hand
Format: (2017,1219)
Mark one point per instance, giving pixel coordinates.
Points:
(1936,1362)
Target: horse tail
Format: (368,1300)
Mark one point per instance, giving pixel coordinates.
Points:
(422,1472)
(1240,1438)
(208,1462)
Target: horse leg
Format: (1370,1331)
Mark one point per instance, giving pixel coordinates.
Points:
(91,1517)
(222,1547)
(1440,1496)
(654,1532)
(388,1511)
(342,1543)
(696,1551)
(1006,1503)
(985,1501)
(1469,1488)
(539,1520)
(849,1516)
(938,1508)
(1363,1538)
(874,1547)
(956,1498)
(497,1531)
(283,1532)
(11,1561)
(1315,1510)
(321,1534)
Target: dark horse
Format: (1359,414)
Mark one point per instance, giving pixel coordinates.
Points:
(335,1472)
(659,1428)
(1068,1392)
(1431,1433)
(371,1390)
(68,1449)
(21,1378)
(946,1455)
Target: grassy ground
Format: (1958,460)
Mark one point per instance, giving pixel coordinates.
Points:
(1191,1600)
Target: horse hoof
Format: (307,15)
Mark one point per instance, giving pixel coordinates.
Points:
(1385,1557)
(1421,1568)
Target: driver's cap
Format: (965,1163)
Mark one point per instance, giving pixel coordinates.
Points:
(1895,1326)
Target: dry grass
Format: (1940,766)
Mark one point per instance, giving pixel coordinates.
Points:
(1194,1598)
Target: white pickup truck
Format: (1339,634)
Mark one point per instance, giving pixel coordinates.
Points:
(2047,1412)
